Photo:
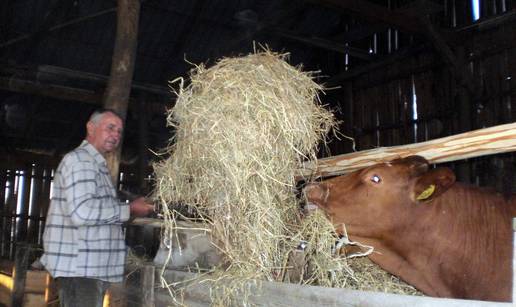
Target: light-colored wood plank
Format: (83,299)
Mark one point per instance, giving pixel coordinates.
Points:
(283,294)
(488,141)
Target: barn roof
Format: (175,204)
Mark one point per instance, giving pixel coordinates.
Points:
(56,55)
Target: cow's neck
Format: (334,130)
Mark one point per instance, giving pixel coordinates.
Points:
(447,228)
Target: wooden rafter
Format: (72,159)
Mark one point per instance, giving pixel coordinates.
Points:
(377,13)
(55,27)
(324,44)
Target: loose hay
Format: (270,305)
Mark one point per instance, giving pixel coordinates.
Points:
(242,128)
(370,277)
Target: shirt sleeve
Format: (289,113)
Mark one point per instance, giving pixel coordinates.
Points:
(90,201)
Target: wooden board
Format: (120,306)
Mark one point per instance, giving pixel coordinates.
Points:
(488,141)
(283,294)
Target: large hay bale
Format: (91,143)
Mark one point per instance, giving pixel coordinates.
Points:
(242,129)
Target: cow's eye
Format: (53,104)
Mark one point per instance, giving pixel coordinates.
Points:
(376,179)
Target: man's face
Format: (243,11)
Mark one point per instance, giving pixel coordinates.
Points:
(105,135)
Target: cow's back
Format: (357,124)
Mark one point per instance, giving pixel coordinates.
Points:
(469,230)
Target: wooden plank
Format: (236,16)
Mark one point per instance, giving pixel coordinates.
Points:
(488,141)
(283,294)
(34,300)
(56,72)
(36,282)
(51,293)
(147,221)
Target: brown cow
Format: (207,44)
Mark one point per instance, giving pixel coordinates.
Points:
(445,238)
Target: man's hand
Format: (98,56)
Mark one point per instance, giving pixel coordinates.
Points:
(140,207)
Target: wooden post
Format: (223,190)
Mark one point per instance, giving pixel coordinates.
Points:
(3,205)
(347,88)
(147,285)
(465,106)
(122,67)
(139,285)
(143,161)
(21,263)
(463,171)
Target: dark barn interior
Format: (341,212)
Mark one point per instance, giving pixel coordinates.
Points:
(396,72)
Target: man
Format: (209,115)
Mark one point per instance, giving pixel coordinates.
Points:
(84,246)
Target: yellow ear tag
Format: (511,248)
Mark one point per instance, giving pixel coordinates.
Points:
(426,193)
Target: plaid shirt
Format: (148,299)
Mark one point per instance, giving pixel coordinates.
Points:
(83,232)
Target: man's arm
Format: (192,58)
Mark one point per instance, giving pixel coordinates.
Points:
(88,202)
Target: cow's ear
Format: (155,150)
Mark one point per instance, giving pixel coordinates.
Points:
(316,193)
(433,183)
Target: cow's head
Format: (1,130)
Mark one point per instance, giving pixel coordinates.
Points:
(378,197)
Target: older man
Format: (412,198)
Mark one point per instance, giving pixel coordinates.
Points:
(84,246)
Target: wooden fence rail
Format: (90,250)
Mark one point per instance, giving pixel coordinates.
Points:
(482,142)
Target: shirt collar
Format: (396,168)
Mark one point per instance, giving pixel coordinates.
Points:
(93,151)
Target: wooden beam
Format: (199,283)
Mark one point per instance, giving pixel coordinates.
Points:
(49,90)
(56,27)
(323,43)
(52,72)
(419,23)
(388,60)
(33,83)
(444,50)
(118,88)
(491,22)
(358,33)
(377,13)
(488,141)
(198,292)
(416,8)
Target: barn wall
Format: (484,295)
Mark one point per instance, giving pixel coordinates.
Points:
(25,187)
(382,100)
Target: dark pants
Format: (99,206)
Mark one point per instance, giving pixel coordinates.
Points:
(81,292)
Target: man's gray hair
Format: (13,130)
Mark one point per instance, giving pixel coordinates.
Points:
(97,115)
